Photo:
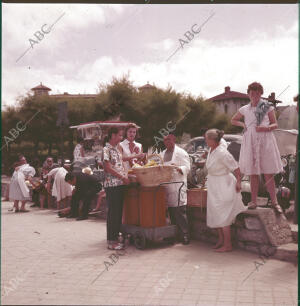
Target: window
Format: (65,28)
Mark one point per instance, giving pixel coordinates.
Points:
(226,108)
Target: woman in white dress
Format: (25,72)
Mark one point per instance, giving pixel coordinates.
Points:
(131,150)
(259,152)
(18,190)
(61,189)
(224,200)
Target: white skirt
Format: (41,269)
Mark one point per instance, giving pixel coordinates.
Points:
(61,189)
(223,202)
(15,192)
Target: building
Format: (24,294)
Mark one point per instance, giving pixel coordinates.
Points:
(230,101)
(41,90)
(146,88)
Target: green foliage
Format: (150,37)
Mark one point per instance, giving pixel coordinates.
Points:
(153,110)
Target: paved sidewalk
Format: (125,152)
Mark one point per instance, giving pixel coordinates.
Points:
(48,260)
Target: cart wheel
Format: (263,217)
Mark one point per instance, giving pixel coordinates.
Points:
(139,241)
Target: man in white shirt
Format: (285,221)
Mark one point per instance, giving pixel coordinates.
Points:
(174,155)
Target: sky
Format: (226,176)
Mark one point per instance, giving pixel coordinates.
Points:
(85,45)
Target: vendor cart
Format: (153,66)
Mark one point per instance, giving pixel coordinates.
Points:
(142,235)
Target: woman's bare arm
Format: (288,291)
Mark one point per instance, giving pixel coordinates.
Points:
(236,120)
(237,174)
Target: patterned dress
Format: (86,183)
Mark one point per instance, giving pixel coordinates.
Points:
(114,156)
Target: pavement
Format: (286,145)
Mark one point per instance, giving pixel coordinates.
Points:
(47,260)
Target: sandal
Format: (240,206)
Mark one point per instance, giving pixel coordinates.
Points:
(252,205)
(277,208)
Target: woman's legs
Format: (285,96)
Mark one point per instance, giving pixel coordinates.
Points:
(115,197)
(227,240)
(42,200)
(16,205)
(23,205)
(254,183)
(270,183)
(220,241)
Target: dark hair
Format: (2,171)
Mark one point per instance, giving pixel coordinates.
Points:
(69,177)
(132,126)
(16,164)
(20,156)
(255,86)
(112,130)
(215,134)
(105,140)
(296,99)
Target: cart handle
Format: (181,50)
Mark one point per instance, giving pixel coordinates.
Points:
(157,188)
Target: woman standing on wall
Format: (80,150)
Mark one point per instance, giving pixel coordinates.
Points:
(259,152)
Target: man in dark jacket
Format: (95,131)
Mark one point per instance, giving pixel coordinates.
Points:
(86,187)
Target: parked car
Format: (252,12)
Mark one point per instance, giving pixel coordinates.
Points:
(197,150)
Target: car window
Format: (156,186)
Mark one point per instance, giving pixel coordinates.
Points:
(200,144)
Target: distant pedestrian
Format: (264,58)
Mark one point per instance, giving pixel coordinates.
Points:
(259,152)
(61,190)
(19,191)
(78,150)
(86,188)
(48,165)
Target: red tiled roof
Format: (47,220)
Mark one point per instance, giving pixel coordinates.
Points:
(41,86)
(147,86)
(229,94)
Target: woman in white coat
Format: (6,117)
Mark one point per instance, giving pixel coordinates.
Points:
(224,200)
(174,155)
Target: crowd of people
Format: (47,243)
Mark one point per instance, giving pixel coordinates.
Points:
(259,155)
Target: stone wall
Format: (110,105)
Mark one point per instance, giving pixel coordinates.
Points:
(260,231)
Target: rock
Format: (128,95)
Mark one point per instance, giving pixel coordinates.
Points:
(294,228)
(276,226)
(287,252)
(253,236)
(252,223)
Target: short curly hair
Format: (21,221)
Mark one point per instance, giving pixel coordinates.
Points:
(255,86)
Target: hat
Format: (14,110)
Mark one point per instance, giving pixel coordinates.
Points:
(67,162)
(87,170)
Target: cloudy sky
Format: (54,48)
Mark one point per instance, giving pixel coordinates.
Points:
(90,44)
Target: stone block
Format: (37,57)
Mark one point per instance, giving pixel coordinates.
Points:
(254,236)
(276,226)
(294,228)
(287,252)
(252,223)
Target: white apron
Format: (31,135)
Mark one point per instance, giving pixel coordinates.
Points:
(180,159)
